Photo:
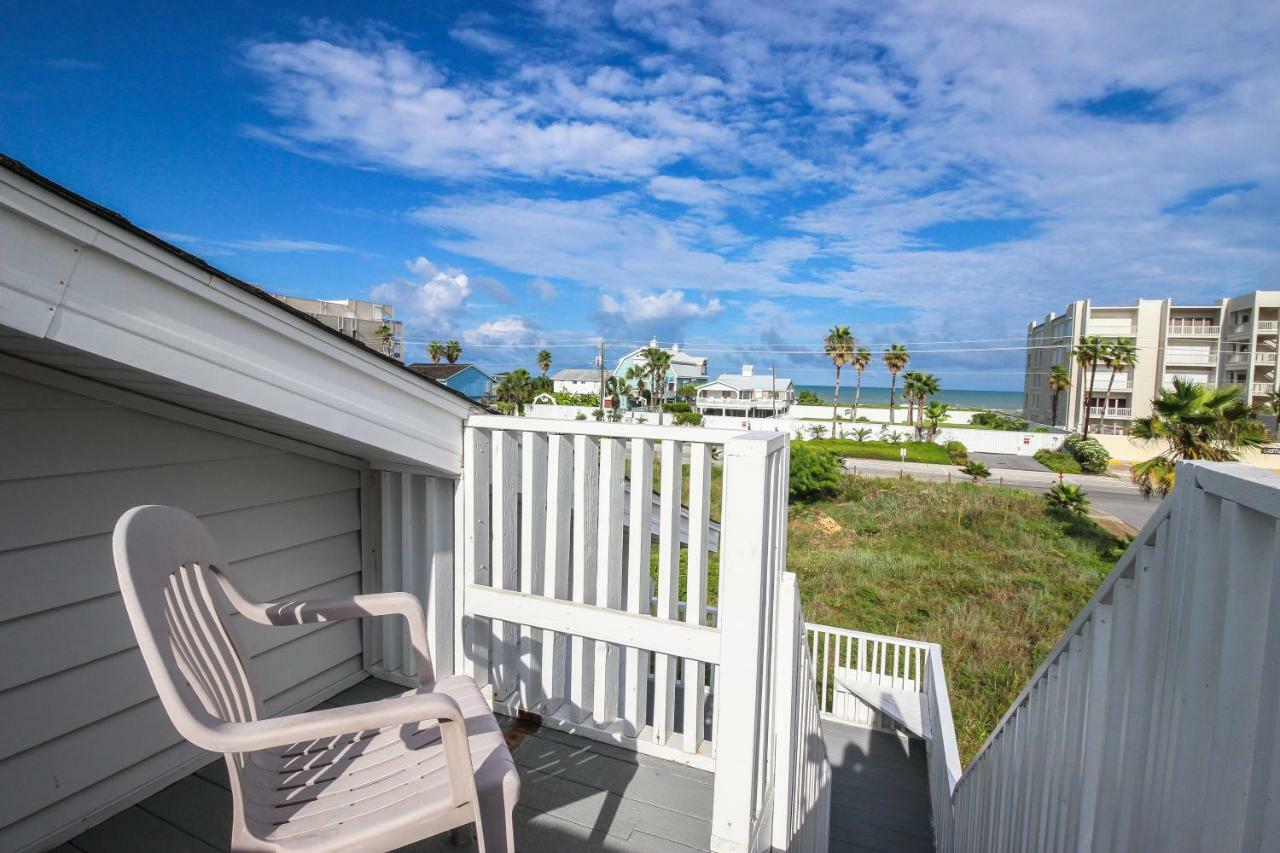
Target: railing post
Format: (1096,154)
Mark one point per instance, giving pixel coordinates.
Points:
(788,708)
(742,704)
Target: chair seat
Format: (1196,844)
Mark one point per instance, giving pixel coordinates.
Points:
(373,789)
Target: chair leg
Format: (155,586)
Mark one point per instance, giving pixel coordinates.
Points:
(496,828)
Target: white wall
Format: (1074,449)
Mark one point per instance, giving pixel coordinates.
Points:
(83,732)
(955,416)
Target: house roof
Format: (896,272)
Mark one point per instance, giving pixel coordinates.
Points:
(21,169)
(678,357)
(440,372)
(577,374)
(750,383)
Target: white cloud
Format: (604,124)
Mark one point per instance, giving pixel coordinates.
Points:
(507,331)
(271,245)
(690,191)
(434,300)
(545,290)
(376,100)
(664,314)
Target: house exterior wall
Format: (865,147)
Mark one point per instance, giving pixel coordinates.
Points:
(473,382)
(576,386)
(84,734)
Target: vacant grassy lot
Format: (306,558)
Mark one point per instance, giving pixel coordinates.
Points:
(987,572)
(917,451)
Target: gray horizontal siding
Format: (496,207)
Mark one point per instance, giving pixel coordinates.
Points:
(83,730)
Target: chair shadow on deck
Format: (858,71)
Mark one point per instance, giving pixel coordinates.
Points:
(880,790)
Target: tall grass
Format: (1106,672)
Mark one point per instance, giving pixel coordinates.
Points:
(989,573)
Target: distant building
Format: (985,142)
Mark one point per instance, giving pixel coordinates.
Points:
(1231,342)
(747,395)
(577,380)
(467,378)
(364,321)
(684,369)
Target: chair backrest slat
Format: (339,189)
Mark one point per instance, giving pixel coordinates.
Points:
(164,561)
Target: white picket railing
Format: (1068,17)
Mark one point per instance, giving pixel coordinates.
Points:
(1153,724)
(843,658)
(560,618)
(802,801)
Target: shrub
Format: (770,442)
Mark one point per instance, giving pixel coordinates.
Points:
(815,473)
(1056,460)
(818,431)
(1089,452)
(580,417)
(977,470)
(917,451)
(957,452)
(676,406)
(688,419)
(1067,497)
(998,421)
(808,398)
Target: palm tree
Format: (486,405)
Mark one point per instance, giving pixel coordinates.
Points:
(435,350)
(1196,423)
(1118,356)
(1272,406)
(1059,381)
(516,388)
(1087,354)
(910,385)
(977,471)
(927,385)
(861,360)
(935,414)
(861,433)
(657,362)
(614,388)
(386,336)
(453,352)
(1067,497)
(895,359)
(544,361)
(636,376)
(838,345)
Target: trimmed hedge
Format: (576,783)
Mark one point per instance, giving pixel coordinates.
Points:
(917,451)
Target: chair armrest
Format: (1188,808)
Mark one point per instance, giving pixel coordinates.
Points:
(331,722)
(334,609)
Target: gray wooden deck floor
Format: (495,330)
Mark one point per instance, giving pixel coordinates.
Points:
(581,795)
(575,795)
(880,791)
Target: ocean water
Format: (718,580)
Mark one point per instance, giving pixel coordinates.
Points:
(1008,401)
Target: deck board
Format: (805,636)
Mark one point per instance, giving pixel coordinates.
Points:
(880,791)
(576,795)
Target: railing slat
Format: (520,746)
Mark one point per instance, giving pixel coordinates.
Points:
(586,505)
(638,597)
(475,510)
(506,571)
(664,670)
(695,693)
(556,565)
(609,573)
(533,553)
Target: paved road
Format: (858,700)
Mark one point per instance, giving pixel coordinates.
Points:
(1108,494)
(1008,461)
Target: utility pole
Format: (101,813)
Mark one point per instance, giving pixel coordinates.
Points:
(600,365)
(773,390)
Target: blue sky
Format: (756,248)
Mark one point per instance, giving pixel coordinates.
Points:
(737,176)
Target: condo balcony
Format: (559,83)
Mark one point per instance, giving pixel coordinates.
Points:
(1180,330)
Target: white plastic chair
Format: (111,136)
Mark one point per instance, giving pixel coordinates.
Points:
(373,776)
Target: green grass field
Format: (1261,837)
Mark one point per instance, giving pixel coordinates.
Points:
(917,451)
(987,572)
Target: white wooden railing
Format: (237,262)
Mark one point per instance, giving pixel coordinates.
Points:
(560,618)
(802,801)
(1188,331)
(1153,724)
(844,659)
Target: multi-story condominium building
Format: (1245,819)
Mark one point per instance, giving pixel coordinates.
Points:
(371,323)
(1233,341)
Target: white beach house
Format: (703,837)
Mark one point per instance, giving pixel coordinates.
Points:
(747,394)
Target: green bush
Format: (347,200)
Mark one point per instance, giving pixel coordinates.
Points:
(998,421)
(580,417)
(676,406)
(808,398)
(976,470)
(1056,460)
(1091,455)
(815,472)
(688,419)
(957,453)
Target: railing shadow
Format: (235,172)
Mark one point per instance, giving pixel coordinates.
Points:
(879,790)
